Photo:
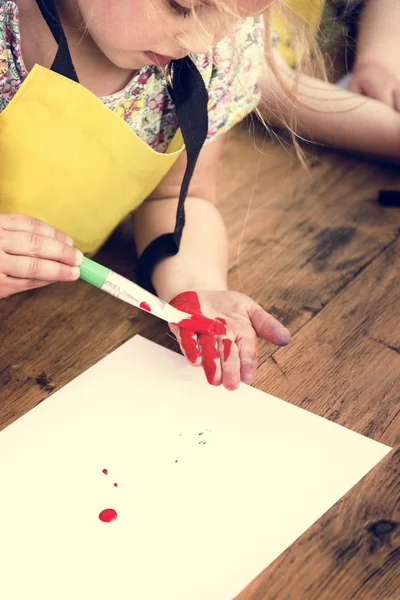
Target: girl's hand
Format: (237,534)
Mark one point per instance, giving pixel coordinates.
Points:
(374,81)
(33,254)
(232,357)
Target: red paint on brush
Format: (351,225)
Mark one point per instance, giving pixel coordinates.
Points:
(227,345)
(189,345)
(107,515)
(145,306)
(210,356)
(189,302)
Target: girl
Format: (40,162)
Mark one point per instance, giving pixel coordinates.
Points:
(91,128)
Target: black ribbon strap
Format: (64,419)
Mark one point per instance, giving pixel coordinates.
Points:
(63,62)
(190,97)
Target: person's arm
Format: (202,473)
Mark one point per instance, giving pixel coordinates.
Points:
(376,71)
(379,36)
(202,260)
(324,113)
(195,280)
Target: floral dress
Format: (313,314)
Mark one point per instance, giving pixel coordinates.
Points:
(231,71)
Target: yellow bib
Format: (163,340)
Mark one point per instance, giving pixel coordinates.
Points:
(69,160)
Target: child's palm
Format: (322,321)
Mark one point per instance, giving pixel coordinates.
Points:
(230,358)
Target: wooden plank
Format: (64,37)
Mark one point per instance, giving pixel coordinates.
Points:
(301,237)
(345,366)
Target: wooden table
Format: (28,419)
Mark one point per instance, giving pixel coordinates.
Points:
(317,251)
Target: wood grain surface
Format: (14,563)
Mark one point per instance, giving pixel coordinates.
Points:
(316,250)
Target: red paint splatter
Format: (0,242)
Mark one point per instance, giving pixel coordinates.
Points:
(115,484)
(145,306)
(210,356)
(107,515)
(201,433)
(176,461)
(189,302)
(227,344)
(105,471)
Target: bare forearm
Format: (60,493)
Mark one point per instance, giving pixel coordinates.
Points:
(202,259)
(378,38)
(332,116)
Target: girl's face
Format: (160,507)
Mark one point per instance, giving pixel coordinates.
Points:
(135,33)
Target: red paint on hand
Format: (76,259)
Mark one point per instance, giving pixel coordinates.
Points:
(210,356)
(145,306)
(227,345)
(107,515)
(189,345)
(201,324)
(189,302)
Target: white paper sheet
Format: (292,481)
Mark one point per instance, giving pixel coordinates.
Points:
(200,528)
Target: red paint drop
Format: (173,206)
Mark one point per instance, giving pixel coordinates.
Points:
(145,306)
(227,344)
(115,484)
(176,461)
(107,515)
(201,433)
(105,471)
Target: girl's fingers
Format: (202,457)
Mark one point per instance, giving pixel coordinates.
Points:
(188,344)
(35,245)
(230,359)
(247,346)
(211,358)
(32,225)
(38,268)
(268,328)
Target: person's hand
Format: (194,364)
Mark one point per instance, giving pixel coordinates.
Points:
(375,81)
(231,357)
(33,254)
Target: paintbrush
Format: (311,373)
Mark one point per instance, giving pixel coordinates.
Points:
(131,293)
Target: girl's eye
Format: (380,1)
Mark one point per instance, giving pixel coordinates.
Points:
(178,9)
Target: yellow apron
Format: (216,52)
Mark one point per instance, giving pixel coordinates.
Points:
(69,160)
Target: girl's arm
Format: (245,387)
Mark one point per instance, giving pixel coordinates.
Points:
(202,260)
(196,278)
(329,115)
